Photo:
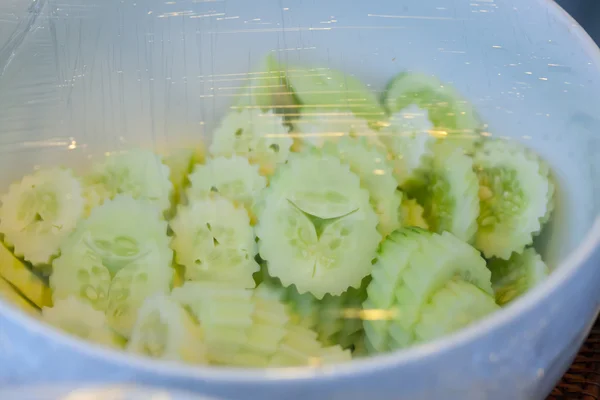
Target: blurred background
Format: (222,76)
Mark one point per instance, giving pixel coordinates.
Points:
(587,13)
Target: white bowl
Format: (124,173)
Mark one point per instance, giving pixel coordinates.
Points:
(80,77)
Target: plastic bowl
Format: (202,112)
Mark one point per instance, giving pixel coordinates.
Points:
(80,77)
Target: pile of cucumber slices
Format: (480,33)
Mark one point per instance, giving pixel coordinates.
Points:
(322,224)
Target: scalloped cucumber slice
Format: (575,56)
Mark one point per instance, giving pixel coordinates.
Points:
(413,265)
(242,327)
(411,145)
(318,126)
(332,89)
(233,178)
(316,227)
(132,285)
(10,294)
(164,330)
(120,233)
(138,173)
(413,214)
(225,314)
(336,319)
(260,137)
(39,212)
(457,305)
(300,347)
(376,175)
(516,197)
(449,112)
(18,275)
(451,198)
(215,242)
(80,319)
(514,277)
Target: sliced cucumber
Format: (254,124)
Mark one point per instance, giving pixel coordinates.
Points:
(241,327)
(316,227)
(412,214)
(376,175)
(165,330)
(233,178)
(80,319)
(413,266)
(451,198)
(138,173)
(215,242)
(260,137)
(334,90)
(411,144)
(457,305)
(132,285)
(225,314)
(450,113)
(514,277)
(318,126)
(336,319)
(39,212)
(18,275)
(120,233)
(516,197)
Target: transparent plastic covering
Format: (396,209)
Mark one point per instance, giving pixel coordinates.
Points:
(296,198)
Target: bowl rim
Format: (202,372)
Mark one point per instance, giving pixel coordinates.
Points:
(565,271)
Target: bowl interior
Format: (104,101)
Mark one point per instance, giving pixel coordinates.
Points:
(85,80)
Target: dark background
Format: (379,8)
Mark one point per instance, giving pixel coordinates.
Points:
(587,13)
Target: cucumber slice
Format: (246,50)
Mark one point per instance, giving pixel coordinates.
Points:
(412,214)
(334,90)
(413,265)
(448,111)
(18,275)
(318,126)
(376,175)
(457,305)
(39,212)
(316,227)
(411,145)
(260,137)
(242,327)
(451,198)
(143,278)
(514,277)
(118,234)
(215,242)
(165,330)
(139,173)
(9,294)
(225,314)
(233,178)
(300,347)
(336,319)
(516,197)
(80,319)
